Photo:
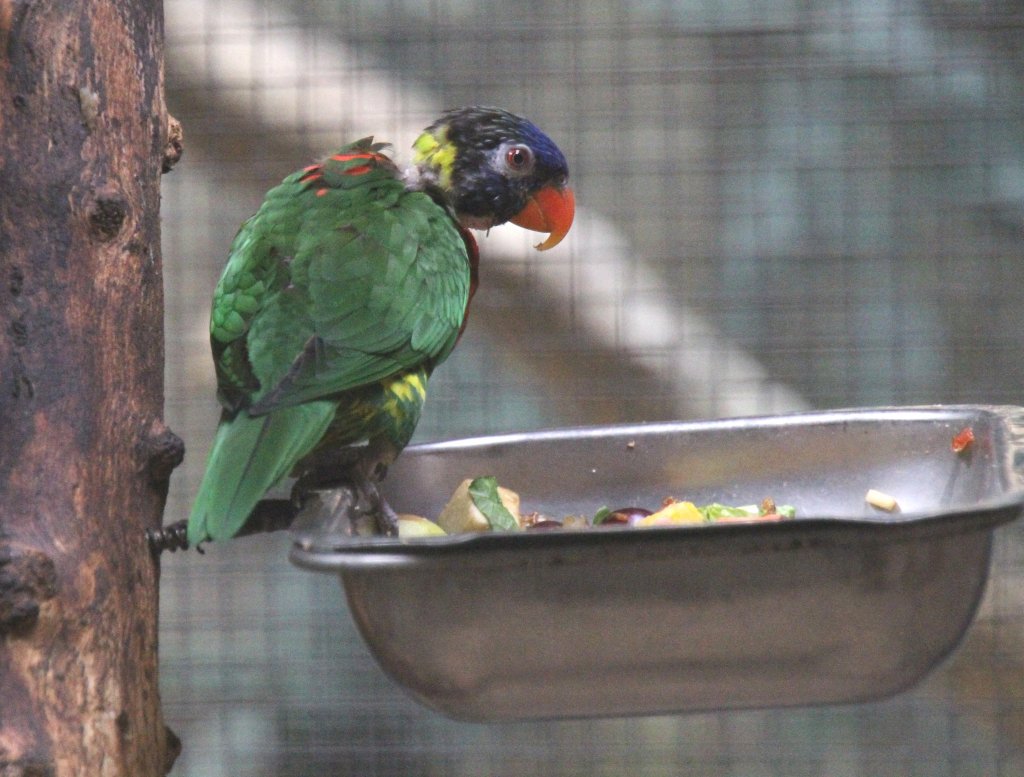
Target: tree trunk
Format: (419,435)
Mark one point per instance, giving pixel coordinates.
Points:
(84,455)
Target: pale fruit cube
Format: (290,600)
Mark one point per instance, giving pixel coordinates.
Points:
(417,526)
(461,515)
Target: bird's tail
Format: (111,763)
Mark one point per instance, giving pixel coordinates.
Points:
(250,455)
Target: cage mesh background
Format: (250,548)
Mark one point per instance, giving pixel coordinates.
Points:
(782,205)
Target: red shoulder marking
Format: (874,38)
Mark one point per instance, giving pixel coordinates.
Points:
(357,155)
(373,159)
(358,170)
(337,171)
(311,173)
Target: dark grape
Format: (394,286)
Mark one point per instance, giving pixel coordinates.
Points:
(543,524)
(625,516)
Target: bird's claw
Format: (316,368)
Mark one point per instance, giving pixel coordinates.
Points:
(387,518)
(353,507)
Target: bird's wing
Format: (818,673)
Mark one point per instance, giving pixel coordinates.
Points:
(355,278)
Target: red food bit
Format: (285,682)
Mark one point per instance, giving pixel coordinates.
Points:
(963,440)
(768,517)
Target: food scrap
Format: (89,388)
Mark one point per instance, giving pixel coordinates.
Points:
(480,505)
(963,440)
(881,500)
(672,513)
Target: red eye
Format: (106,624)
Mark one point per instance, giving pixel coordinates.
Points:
(519,159)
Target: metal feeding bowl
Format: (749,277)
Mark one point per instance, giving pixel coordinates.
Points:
(843,603)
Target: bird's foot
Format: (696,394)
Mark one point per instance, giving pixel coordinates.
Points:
(340,489)
(387,519)
(384,515)
(353,507)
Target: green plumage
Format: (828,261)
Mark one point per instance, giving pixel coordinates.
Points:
(340,295)
(345,290)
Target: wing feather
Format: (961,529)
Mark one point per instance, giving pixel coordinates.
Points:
(377,286)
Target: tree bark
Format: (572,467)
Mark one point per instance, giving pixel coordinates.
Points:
(84,455)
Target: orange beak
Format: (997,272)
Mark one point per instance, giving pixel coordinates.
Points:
(549,210)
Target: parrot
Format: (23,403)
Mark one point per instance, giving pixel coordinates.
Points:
(346,289)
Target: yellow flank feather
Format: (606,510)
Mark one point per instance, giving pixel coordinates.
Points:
(390,407)
(403,397)
(403,387)
(438,151)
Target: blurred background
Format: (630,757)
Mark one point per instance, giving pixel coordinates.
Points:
(782,205)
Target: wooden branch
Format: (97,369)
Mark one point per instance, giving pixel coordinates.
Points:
(269,515)
(84,456)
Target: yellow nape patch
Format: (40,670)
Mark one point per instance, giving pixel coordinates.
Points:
(436,151)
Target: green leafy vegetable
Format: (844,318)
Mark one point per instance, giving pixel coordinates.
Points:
(714,511)
(484,493)
(601,514)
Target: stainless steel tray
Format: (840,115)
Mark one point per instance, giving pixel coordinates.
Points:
(841,604)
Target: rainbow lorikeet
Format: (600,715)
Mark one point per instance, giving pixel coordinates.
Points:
(347,288)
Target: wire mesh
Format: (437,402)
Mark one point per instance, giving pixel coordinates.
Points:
(783,205)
